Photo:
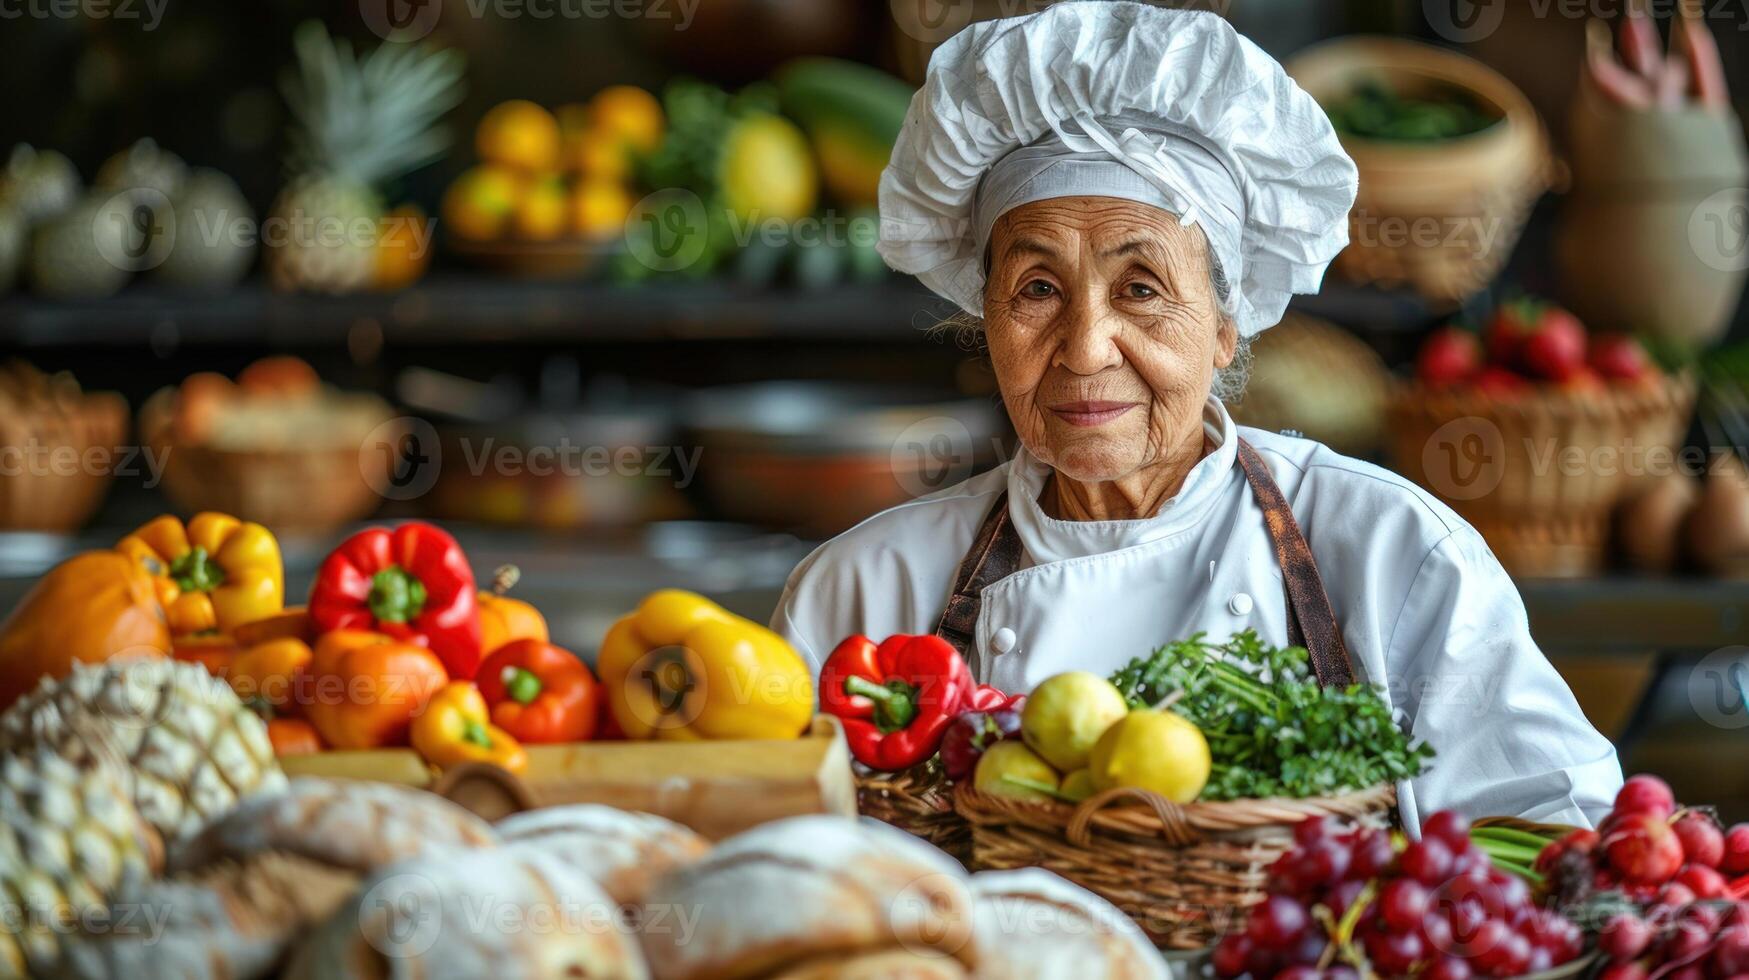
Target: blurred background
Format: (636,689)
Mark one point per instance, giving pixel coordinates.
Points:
(594,283)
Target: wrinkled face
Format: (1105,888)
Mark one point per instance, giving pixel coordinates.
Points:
(1104,330)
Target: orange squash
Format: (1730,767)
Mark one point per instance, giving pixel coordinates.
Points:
(503,619)
(364,688)
(292,736)
(91,607)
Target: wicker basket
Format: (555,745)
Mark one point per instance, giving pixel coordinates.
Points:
(1538,473)
(1186,874)
(63,457)
(1439,217)
(918,801)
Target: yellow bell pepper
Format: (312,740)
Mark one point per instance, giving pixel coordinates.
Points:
(216,573)
(455,727)
(681,667)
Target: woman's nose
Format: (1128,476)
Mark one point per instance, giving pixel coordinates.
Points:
(1088,335)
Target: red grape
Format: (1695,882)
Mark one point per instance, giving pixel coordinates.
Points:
(1300,972)
(1623,971)
(1309,948)
(1448,826)
(1276,922)
(1310,831)
(1402,903)
(1436,933)
(1427,861)
(1482,943)
(1730,953)
(1540,959)
(1645,792)
(1394,953)
(1372,854)
(1342,895)
(1231,954)
(1448,968)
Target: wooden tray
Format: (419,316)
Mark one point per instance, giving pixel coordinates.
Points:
(716,788)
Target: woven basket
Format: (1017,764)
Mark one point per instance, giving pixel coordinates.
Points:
(1185,873)
(61,459)
(1538,473)
(1439,217)
(918,801)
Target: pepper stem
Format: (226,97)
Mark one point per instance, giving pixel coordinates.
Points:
(475,732)
(196,572)
(395,595)
(895,701)
(521,684)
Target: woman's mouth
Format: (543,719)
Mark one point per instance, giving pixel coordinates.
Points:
(1091,413)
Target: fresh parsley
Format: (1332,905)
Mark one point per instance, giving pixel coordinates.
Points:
(1272,729)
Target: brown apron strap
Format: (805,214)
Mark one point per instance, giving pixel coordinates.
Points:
(1311,622)
(996,553)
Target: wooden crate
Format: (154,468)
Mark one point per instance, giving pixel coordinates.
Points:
(716,788)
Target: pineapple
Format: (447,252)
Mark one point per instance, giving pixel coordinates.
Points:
(358,122)
(69,838)
(192,748)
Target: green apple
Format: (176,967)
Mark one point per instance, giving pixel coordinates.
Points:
(1011,769)
(1153,750)
(1066,714)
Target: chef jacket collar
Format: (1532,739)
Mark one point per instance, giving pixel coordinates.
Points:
(1048,539)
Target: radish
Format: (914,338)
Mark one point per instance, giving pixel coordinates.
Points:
(1736,859)
(1643,847)
(1645,793)
(1702,880)
(1702,843)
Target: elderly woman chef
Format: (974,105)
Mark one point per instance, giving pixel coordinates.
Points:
(1126,195)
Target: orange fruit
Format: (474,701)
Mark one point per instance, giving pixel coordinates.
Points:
(599,208)
(478,204)
(540,215)
(629,114)
(519,134)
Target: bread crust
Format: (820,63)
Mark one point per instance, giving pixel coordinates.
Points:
(1034,925)
(624,851)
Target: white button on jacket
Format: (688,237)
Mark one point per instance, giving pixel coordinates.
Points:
(1425,609)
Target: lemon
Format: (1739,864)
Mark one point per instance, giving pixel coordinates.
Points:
(479,204)
(1011,769)
(1152,750)
(1077,786)
(1067,713)
(519,134)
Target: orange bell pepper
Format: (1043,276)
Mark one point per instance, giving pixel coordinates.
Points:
(540,693)
(214,650)
(216,573)
(364,688)
(292,736)
(267,673)
(455,728)
(503,619)
(90,607)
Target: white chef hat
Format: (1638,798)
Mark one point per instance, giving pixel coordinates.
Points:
(1171,108)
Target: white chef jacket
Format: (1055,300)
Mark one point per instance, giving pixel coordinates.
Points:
(1424,607)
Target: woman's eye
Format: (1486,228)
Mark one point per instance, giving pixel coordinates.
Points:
(1136,290)
(1038,289)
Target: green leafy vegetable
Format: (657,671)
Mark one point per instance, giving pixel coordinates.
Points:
(1272,729)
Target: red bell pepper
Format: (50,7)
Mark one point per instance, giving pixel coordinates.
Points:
(412,583)
(987,698)
(540,693)
(895,699)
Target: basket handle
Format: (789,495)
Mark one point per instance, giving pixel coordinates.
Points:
(1175,827)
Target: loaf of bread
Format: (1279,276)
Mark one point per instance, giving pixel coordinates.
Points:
(889,964)
(1034,925)
(625,852)
(792,893)
(345,823)
(244,887)
(510,913)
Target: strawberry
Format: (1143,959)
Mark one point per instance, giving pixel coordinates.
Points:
(1449,356)
(1619,357)
(1507,328)
(1499,381)
(1555,349)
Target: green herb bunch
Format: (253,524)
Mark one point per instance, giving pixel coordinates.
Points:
(1272,729)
